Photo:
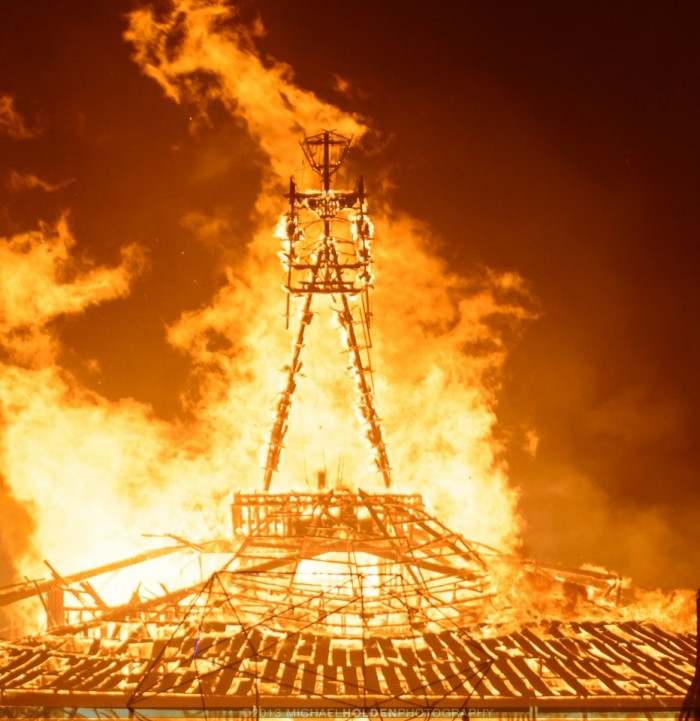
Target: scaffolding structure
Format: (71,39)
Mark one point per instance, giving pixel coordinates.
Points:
(327,251)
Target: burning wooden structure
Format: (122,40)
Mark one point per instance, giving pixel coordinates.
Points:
(341,602)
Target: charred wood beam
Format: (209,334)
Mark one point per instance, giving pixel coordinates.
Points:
(20,591)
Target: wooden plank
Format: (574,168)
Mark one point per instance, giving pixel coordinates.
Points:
(461,648)
(184,681)
(543,650)
(187,647)
(236,648)
(676,670)
(269,645)
(535,681)
(226,678)
(103,667)
(600,669)
(356,657)
(604,632)
(435,685)
(287,683)
(556,648)
(103,679)
(408,655)
(352,685)
(425,656)
(512,675)
(206,682)
(560,669)
(339,657)
(285,650)
(308,679)
(320,657)
(254,641)
(159,645)
(270,671)
(525,645)
(673,645)
(111,682)
(437,648)
(371,679)
(30,659)
(74,674)
(608,651)
(243,686)
(392,681)
(331,684)
(388,649)
(494,676)
(452,676)
(415,684)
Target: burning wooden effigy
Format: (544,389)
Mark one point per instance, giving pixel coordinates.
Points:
(339,601)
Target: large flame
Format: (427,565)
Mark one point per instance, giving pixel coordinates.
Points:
(96,473)
(439,338)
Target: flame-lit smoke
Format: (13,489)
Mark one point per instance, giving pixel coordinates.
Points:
(41,281)
(12,123)
(28,181)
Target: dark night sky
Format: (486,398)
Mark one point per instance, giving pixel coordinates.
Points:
(559,140)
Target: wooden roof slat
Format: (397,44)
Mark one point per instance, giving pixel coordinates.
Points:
(330,683)
(287,682)
(542,650)
(339,657)
(350,678)
(525,645)
(605,673)
(510,672)
(494,677)
(534,680)
(371,679)
(243,686)
(308,679)
(675,646)
(434,682)
(391,678)
(433,640)
(559,668)
(226,678)
(285,649)
(29,660)
(452,677)
(271,671)
(321,650)
(415,684)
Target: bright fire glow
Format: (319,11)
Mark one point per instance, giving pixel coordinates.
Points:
(97,474)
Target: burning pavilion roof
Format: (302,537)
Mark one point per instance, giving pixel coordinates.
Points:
(342,600)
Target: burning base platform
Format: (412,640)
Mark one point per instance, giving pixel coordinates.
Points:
(350,602)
